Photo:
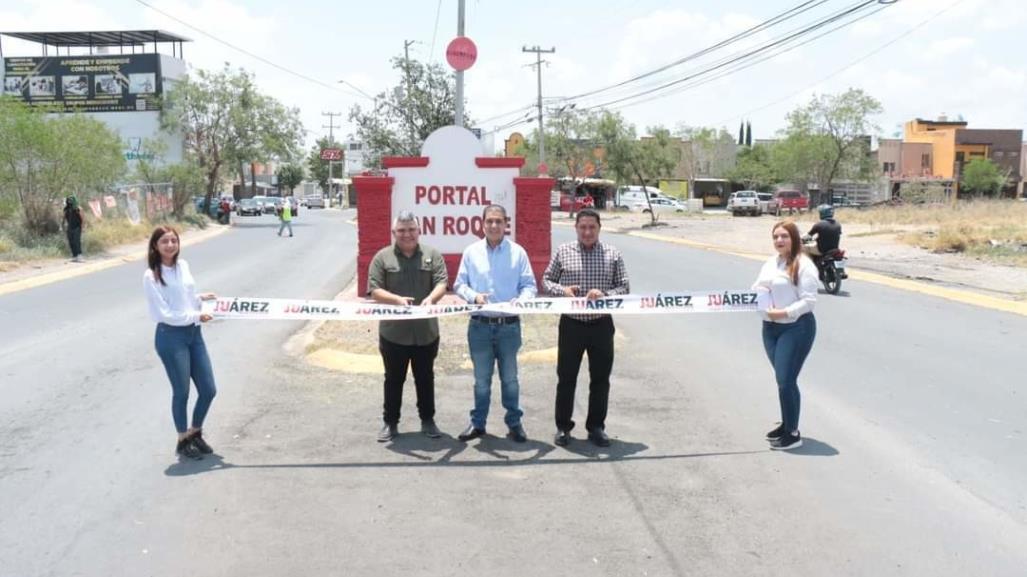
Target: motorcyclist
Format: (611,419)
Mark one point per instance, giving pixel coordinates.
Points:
(827,232)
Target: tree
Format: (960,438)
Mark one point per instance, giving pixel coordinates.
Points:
(186,177)
(43,158)
(226,122)
(318,168)
(402,117)
(748,133)
(631,160)
(741,133)
(290,176)
(829,138)
(983,177)
(754,168)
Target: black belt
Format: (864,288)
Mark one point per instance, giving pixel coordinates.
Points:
(496,320)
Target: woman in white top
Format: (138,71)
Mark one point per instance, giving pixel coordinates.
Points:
(175,306)
(787,290)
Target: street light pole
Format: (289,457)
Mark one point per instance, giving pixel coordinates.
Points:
(459,117)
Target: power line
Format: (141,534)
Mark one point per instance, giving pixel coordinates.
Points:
(909,31)
(510,113)
(753,52)
(748,64)
(248,53)
(782,17)
(431,53)
(733,59)
(777,19)
(738,62)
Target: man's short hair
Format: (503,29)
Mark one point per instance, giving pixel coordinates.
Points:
(494,207)
(587,212)
(405,216)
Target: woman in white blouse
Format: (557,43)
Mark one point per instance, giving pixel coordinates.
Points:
(787,290)
(175,306)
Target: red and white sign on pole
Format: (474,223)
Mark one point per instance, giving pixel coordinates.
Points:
(461,53)
(331,154)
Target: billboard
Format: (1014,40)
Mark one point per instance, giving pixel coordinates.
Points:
(90,83)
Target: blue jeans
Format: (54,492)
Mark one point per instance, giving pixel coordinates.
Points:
(787,346)
(184,355)
(285,224)
(491,345)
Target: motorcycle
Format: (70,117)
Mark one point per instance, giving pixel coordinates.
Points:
(830,267)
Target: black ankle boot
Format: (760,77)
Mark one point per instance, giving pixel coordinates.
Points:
(187,449)
(200,444)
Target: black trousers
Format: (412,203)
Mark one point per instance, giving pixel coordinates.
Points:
(577,338)
(421,358)
(75,240)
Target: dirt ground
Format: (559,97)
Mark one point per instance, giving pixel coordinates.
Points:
(869,247)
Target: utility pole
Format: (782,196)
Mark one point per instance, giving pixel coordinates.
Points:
(459,116)
(331,142)
(538,64)
(406,73)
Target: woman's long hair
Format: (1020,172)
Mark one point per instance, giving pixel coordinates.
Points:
(794,251)
(153,255)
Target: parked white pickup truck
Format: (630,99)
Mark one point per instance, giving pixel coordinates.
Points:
(744,202)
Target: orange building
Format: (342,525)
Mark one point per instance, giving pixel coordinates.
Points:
(953,145)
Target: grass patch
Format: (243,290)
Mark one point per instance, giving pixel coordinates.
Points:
(879,232)
(17,245)
(994,230)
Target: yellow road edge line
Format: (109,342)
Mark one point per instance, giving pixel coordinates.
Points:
(955,295)
(57,276)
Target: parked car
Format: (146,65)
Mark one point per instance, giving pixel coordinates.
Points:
(212,209)
(629,195)
(792,200)
(769,204)
(248,207)
(843,201)
(744,202)
(315,201)
(660,205)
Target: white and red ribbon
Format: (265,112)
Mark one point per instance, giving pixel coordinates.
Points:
(657,304)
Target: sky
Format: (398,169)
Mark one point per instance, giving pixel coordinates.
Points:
(919,58)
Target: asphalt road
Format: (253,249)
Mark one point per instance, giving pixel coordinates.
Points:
(913,413)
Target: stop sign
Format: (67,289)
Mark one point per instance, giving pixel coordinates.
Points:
(461,53)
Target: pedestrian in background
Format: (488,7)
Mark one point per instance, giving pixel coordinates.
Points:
(73,225)
(786,293)
(175,306)
(285,216)
(495,270)
(408,273)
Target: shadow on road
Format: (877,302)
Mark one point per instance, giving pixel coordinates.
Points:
(185,467)
(491,448)
(416,445)
(814,448)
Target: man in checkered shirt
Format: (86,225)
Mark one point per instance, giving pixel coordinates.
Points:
(591,269)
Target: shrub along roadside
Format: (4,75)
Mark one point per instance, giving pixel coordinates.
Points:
(18,246)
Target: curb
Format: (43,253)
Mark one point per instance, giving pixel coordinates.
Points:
(91,267)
